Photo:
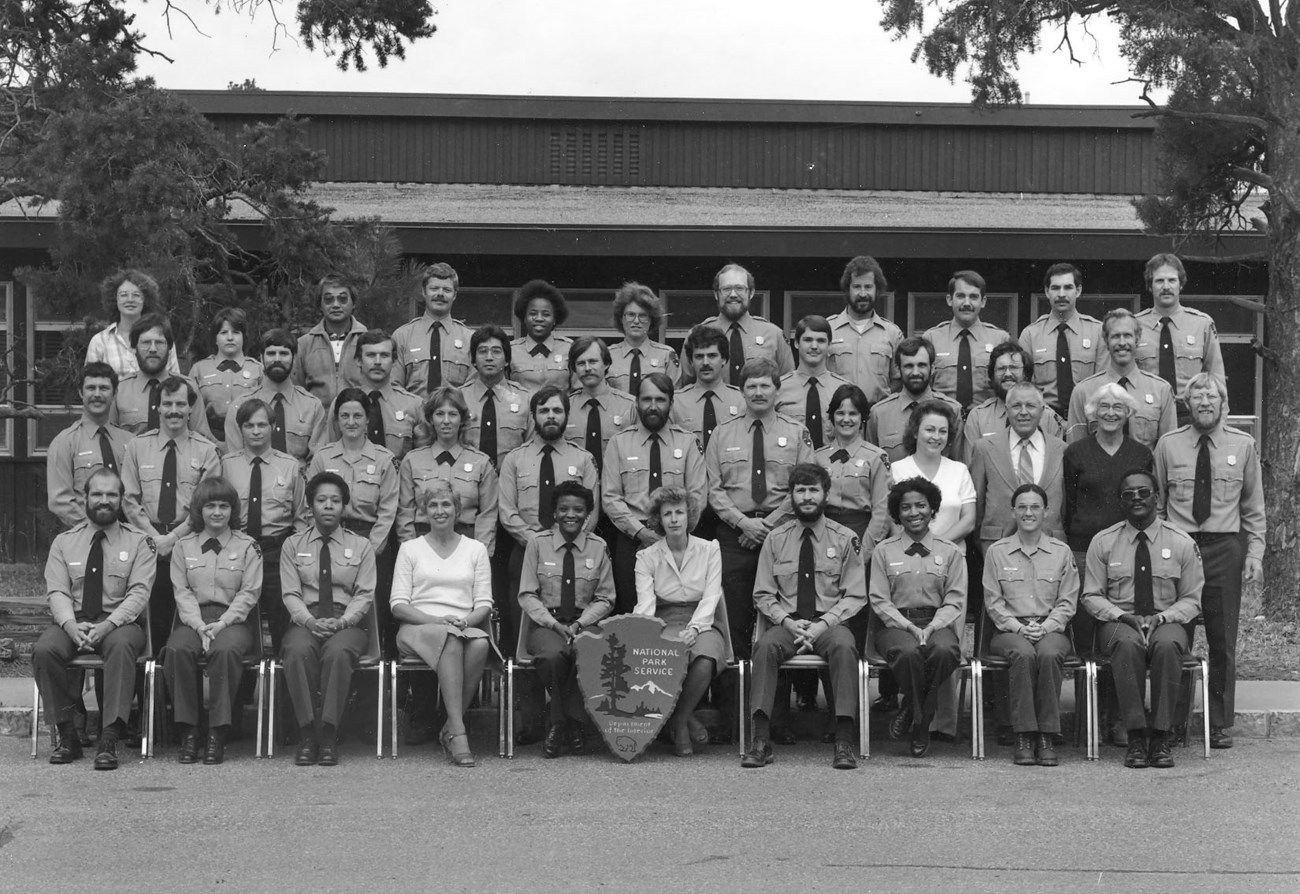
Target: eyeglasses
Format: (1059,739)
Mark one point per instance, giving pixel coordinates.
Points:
(1136,493)
(733,290)
(636,318)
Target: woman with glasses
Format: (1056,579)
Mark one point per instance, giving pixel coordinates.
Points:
(638,313)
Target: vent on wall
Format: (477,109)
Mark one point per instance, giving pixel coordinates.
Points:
(579,155)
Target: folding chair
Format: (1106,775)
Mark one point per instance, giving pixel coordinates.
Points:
(523,660)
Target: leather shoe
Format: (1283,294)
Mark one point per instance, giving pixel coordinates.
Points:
(1136,757)
(106,755)
(884,704)
(215,752)
(844,759)
(1220,737)
(67,751)
(1024,750)
(308,752)
(783,735)
(901,723)
(1047,750)
(758,755)
(553,741)
(189,748)
(1159,755)
(1118,734)
(920,739)
(577,738)
(329,754)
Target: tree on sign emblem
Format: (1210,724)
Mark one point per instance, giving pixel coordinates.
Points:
(613,674)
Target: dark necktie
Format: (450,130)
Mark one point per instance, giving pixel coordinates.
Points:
(634,373)
(1126,385)
(445,458)
(92,594)
(710,417)
(1167,369)
(1064,368)
(1201,493)
(487,429)
(228,366)
(325,582)
(546,489)
(106,449)
(840,456)
(656,467)
(278,438)
(539,350)
(254,526)
(376,413)
(435,357)
(965,374)
(155,387)
(806,593)
(212,545)
(758,468)
(593,433)
(737,352)
(569,586)
(167,497)
(1144,600)
(918,549)
(813,413)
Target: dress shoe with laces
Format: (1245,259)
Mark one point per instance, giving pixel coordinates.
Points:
(784,735)
(66,751)
(553,741)
(1220,737)
(1047,750)
(1136,756)
(329,754)
(1159,753)
(189,753)
(577,738)
(758,755)
(844,759)
(308,752)
(920,745)
(215,752)
(901,723)
(1024,750)
(106,754)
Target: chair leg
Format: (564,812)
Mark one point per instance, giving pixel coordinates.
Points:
(501,717)
(1205,708)
(1095,719)
(392,709)
(976,671)
(379,713)
(742,705)
(864,708)
(36,716)
(509,709)
(261,705)
(270,715)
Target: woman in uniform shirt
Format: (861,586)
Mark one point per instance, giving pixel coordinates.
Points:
(540,357)
(637,313)
(860,474)
(228,374)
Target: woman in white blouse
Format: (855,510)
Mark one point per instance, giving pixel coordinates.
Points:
(442,592)
(929,431)
(128,295)
(679,579)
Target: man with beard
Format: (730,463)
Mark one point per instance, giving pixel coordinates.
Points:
(136,405)
(748,337)
(1175,342)
(1155,413)
(638,461)
(97,577)
(297,418)
(887,421)
(394,412)
(433,349)
(810,582)
(327,361)
(1209,476)
(805,394)
(84,446)
(963,344)
(599,410)
(862,341)
(1008,364)
(1066,346)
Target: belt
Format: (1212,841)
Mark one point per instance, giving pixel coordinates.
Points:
(1211,536)
(272,542)
(757,513)
(357,526)
(168,528)
(555,613)
(918,614)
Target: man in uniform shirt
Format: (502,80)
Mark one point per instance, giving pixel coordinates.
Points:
(85,445)
(638,461)
(598,410)
(1209,478)
(963,344)
(97,576)
(1065,346)
(700,406)
(1008,364)
(433,349)
(1175,342)
(1155,400)
(862,341)
(327,360)
(499,419)
(748,337)
(136,405)
(1143,583)
(887,421)
(805,394)
(810,582)
(297,418)
(394,412)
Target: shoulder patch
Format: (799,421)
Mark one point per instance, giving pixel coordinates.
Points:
(256,546)
(884,460)
(698,446)
(856,543)
(153,547)
(807,438)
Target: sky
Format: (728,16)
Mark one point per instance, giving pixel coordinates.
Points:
(742,49)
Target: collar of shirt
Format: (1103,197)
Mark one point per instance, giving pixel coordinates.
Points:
(1215,434)
(1029,551)
(908,400)
(1071,322)
(429,319)
(582,396)
(1176,318)
(745,322)
(319,329)
(538,442)
(579,542)
(624,349)
(644,435)
(1035,440)
(201,537)
(803,374)
(847,319)
(818,528)
(954,328)
(314,534)
(1152,530)
(182,440)
(927,541)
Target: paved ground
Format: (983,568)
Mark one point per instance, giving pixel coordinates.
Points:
(660,824)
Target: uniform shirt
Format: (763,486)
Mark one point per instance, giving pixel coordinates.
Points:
(1088,354)
(74,453)
(865,358)
(372,486)
(990,418)
(984,338)
(1195,342)
(551,368)
(283,496)
(131,408)
(352,575)
(625,478)
(617,411)
(220,388)
(759,338)
(472,478)
(129,568)
(1030,582)
(1236,492)
(142,477)
(304,420)
(888,420)
(542,579)
(514,420)
(792,397)
(902,581)
(520,479)
(728,462)
(860,484)
(112,346)
(401,411)
(411,344)
(1155,413)
(1176,574)
(841,578)
(688,406)
(232,576)
(655,357)
(315,368)
(697,581)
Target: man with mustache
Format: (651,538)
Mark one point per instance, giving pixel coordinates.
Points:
(136,406)
(394,412)
(887,420)
(748,337)
(1066,346)
(963,344)
(326,361)
(1009,364)
(1155,399)
(1175,342)
(862,341)
(85,445)
(433,349)
(297,418)
(805,394)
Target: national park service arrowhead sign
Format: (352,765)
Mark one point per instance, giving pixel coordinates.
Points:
(630,676)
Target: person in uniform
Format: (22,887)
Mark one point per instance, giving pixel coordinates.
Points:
(97,577)
(1031,591)
(1155,399)
(748,337)
(327,360)
(85,445)
(1009,364)
(1142,584)
(638,312)
(810,582)
(433,349)
(700,406)
(860,471)
(136,405)
(228,374)
(862,341)
(1175,342)
(1211,488)
(499,420)
(394,412)
(963,344)
(567,585)
(298,425)
(540,357)
(639,461)
(128,295)
(217,575)
(887,422)
(160,470)
(805,393)
(1065,346)
(918,592)
(598,410)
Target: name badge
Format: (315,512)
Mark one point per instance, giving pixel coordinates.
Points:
(304,555)
(86,453)
(677,453)
(590,564)
(837,341)
(1087,343)
(347,553)
(943,353)
(1191,339)
(573,470)
(415,349)
(147,466)
(895,564)
(1232,460)
(549,564)
(729,449)
(830,552)
(370,469)
(458,343)
(399,415)
(122,556)
(74,564)
(732,410)
(1043,350)
(469,467)
(514,408)
(758,339)
(1151,398)
(1010,568)
(633,459)
(1166,553)
(781,442)
(213,376)
(654,361)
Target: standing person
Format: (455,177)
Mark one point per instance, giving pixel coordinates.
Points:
(862,341)
(328,575)
(135,407)
(97,577)
(228,375)
(128,295)
(748,337)
(393,411)
(327,360)
(499,420)
(963,344)
(638,313)
(708,401)
(1155,400)
(540,357)
(860,471)
(1175,342)
(928,436)
(433,349)
(84,446)
(887,421)
(298,419)
(1143,584)
(1066,346)
(805,393)
(598,410)
(1211,488)
(217,575)
(1009,364)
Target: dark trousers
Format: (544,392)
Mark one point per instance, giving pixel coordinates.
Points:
(920,670)
(162,603)
(777,645)
(624,561)
(312,665)
(558,669)
(503,596)
(1131,660)
(271,602)
(1034,679)
(60,687)
(385,562)
(225,666)
(1223,558)
(739,568)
